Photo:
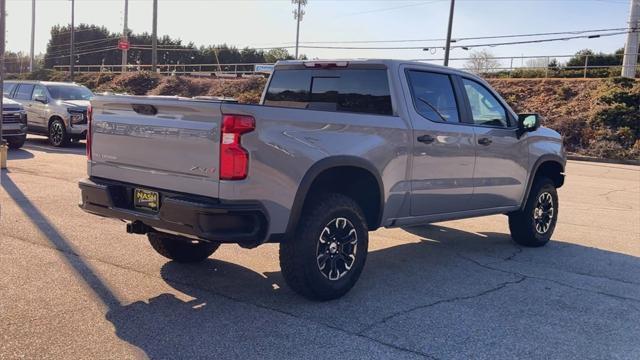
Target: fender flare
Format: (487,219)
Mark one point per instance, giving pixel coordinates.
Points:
(534,170)
(319,167)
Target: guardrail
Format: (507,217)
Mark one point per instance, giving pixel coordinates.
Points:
(219,70)
(506,66)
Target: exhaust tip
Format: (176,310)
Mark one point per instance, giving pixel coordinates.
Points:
(137,227)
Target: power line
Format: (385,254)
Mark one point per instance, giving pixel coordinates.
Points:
(457,46)
(459,38)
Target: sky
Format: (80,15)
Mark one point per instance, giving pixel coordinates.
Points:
(262,23)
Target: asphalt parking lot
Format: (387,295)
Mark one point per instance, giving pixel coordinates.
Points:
(77,286)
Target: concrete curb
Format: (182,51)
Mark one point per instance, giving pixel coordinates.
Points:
(602,160)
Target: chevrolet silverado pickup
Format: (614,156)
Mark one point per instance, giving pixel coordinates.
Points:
(334,150)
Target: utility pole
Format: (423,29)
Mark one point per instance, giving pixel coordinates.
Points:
(33,33)
(72,60)
(154,38)
(3,145)
(298,14)
(631,48)
(125,35)
(447,49)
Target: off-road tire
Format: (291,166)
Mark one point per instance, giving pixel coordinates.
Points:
(16,142)
(182,250)
(299,259)
(58,136)
(522,223)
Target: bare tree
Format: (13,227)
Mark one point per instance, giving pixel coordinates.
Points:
(481,62)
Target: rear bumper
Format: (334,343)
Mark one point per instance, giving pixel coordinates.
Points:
(195,216)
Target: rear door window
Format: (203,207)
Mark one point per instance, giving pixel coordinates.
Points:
(364,91)
(24,92)
(433,96)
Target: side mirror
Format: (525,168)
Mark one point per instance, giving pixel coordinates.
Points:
(41,98)
(528,122)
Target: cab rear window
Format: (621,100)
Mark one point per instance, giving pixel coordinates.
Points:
(364,91)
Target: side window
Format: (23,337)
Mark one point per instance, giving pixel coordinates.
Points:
(289,88)
(433,96)
(364,91)
(24,92)
(8,88)
(485,108)
(38,92)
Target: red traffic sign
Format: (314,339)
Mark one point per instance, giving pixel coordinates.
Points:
(123,45)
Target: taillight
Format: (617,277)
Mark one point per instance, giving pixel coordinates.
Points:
(89,128)
(234,159)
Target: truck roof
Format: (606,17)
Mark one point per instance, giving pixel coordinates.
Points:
(389,63)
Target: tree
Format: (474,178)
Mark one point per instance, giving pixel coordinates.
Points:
(274,55)
(596,59)
(481,62)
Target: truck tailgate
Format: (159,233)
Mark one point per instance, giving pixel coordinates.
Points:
(165,143)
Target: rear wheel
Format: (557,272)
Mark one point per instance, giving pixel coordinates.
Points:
(16,142)
(534,225)
(326,256)
(58,136)
(180,249)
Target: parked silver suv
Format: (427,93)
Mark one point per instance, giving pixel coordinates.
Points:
(55,109)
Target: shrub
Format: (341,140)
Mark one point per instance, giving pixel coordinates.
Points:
(182,86)
(244,90)
(565,92)
(136,83)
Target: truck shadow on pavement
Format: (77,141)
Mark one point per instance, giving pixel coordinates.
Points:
(237,312)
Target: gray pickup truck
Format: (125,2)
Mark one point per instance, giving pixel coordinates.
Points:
(335,149)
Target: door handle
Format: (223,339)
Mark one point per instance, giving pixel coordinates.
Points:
(484,141)
(426,139)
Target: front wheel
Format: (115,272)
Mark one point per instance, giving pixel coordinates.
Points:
(181,249)
(16,142)
(58,136)
(534,225)
(324,259)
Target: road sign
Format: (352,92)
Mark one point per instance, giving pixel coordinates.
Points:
(263,68)
(123,45)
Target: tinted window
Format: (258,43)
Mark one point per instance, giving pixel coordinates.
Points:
(24,92)
(433,96)
(353,90)
(67,92)
(485,108)
(38,92)
(8,88)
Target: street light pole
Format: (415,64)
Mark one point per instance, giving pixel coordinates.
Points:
(298,14)
(125,35)
(33,33)
(447,49)
(630,56)
(71,55)
(154,38)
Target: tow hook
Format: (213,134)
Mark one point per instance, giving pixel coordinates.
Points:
(137,227)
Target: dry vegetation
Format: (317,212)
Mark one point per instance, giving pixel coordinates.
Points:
(597,117)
